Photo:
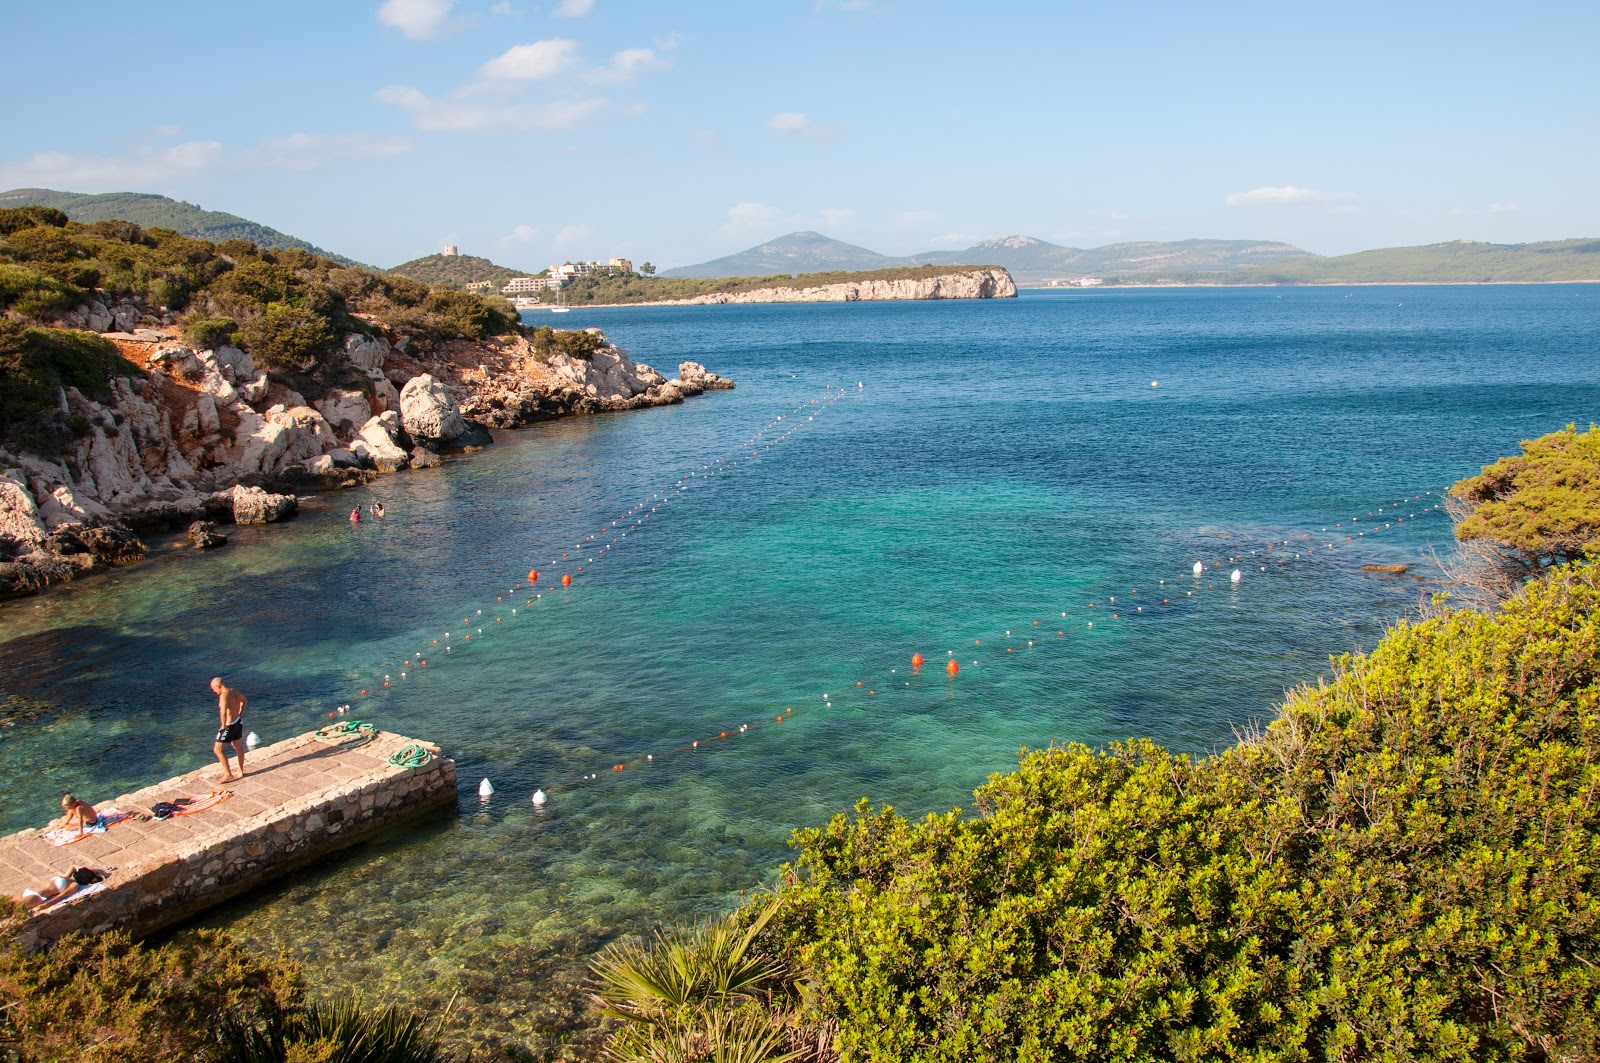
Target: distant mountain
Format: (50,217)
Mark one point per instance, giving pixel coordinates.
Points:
(456,271)
(1455,262)
(1027,257)
(804,252)
(1019,254)
(153,211)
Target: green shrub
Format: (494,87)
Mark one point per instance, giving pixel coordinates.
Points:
(572,343)
(33,294)
(1401,866)
(207,334)
(288,339)
(105,999)
(35,364)
(1542,506)
(15,219)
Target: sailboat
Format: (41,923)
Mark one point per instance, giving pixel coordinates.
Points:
(558,308)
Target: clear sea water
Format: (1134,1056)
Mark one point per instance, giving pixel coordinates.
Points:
(1002,462)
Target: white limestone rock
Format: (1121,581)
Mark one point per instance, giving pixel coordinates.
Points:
(428,412)
(345,410)
(20,526)
(382,437)
(366,353)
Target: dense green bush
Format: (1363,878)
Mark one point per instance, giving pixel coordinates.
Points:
(34,294)
(289,339)
(209,333)
(1541,507)
(35,363)
(15,219)
(574,344)
(1401,866)
(106,999)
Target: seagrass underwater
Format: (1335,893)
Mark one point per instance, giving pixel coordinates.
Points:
(1002,462)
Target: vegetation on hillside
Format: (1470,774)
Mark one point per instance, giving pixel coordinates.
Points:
(158,212)
(456,271)
(108,999)
(614,286)
(35,365)
(1456,262)
(1533,510)
(290,309)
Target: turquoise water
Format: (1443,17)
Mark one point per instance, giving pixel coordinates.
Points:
(1003,462)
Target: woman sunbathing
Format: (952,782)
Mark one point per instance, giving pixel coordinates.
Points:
(36,897)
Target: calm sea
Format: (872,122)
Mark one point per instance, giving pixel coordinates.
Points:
(1000,463)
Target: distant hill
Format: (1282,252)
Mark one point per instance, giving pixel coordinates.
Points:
(1455,262)
(456,271)
(803,252)
(153,211)
(1027,257)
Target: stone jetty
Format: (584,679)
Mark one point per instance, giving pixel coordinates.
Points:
(303,798)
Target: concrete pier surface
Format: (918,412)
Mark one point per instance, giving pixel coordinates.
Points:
(303,798)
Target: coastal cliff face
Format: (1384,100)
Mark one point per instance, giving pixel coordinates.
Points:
(966,284)
(204,435)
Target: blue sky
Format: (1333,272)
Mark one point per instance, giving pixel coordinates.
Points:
(676,132)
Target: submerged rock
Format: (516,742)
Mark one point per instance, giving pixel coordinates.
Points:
(203,534)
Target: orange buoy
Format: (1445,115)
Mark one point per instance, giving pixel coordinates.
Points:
(916,660)
(952,667)
(363,693)
(566,579)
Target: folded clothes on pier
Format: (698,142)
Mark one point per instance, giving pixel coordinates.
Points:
(188,806)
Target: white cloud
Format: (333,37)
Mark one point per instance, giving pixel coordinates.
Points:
(795,124)
(569,235)
(629,64)
(419,19)
(538,61)
(1292,196)
(303,152)
(522,234)
(144,166)
(573,8)
(915,219)
(166,132)
(1503,208)
(749,219)
(833,217)
(458,113)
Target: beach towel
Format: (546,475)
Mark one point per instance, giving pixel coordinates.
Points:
(67,835)
(81,891)
(188,806)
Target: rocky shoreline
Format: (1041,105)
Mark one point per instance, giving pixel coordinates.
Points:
(202,438)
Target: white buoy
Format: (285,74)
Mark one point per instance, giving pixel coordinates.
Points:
(252,740)
(1237,576)
(486,788)
(1198,568)
(539,797)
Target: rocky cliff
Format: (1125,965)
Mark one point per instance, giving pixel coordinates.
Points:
(966,284)
(205,435)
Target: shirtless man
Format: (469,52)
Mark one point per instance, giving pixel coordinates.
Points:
(230,713)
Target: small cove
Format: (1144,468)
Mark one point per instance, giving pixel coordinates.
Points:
(1004,461)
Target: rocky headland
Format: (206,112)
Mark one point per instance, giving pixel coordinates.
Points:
(205,437)
(957,284)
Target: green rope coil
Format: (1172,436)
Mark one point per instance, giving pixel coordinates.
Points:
(412,756)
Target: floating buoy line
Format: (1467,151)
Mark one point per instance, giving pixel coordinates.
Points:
(1166,594)
(590,550)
